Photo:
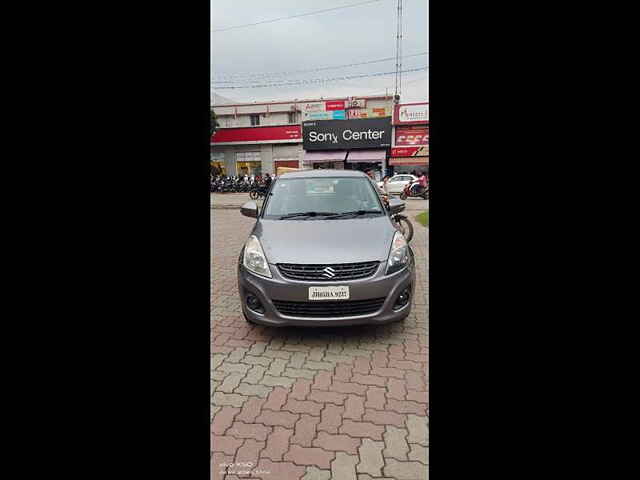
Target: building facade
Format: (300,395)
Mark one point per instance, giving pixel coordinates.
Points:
(257,138)
(410,149)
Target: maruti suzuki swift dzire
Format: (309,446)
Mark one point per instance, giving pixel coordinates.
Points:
(324,252)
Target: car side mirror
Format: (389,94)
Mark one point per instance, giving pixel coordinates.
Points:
(249,209)
(396,206)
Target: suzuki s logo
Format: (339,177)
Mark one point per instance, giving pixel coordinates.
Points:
(329,272)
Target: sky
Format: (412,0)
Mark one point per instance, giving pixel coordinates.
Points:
(259,54)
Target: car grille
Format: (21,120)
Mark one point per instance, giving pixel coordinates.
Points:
(329,309)
(317,273)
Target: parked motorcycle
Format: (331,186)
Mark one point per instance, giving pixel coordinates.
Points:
(403,225)
(401,222)
(257,192)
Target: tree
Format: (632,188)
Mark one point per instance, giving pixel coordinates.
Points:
(213,126)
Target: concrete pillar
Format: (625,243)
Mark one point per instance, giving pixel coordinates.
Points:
(266,155)
(230,160)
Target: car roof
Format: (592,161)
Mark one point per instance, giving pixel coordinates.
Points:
(323,173)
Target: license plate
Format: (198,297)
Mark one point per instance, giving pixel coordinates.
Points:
(329,293)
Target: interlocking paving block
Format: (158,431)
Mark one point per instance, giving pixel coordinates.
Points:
(250,410)
(314,473)
(269,470)
(277,381)
(228,399)
(230,382)
(371,461)
(305,430)
(361,429)
(417,426)
(418,453)
(223,420)
(309,456)
(255,374)
(337,443)
(283,419)
(405,470)
(248,430)
(276,399)
(343,467)
(253,390)
(277,444)
(225,444)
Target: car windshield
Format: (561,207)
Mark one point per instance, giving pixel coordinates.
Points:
(309,198)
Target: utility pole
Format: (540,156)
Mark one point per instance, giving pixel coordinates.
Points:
(399,52)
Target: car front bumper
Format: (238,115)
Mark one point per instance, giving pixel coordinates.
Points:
(379,285)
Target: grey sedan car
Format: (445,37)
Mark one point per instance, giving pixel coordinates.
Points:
(324,252)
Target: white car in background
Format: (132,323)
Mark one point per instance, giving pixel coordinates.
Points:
(396,184)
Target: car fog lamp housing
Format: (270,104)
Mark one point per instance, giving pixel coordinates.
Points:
(254,259)
(403,299)
(398,255)
(253,303)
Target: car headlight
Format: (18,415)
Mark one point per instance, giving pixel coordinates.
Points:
(399,254)
(254,259)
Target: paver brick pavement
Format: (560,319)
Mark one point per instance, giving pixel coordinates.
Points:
(315,404)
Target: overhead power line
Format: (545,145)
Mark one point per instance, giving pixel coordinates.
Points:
(294,16)
(304,82)
(248,75)
(421,79)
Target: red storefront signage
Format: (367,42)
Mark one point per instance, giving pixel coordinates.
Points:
(334,105)
(257,134)
(406,136)
(410,151)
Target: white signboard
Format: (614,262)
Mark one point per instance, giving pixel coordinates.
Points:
(413,113)
(312,107)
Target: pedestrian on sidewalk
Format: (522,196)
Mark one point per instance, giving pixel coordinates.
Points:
(385,187)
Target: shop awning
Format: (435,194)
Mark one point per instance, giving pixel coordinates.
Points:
(366,156)
(324,156)
(409,161)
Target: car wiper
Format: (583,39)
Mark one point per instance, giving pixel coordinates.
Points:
(305,214)
(355,212)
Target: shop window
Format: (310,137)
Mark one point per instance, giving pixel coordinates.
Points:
(248,163)
(255,120)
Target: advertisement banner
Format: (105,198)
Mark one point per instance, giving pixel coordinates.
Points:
(257,134)
(331,115)
(334,105)
(406,136)
(357,102)
(369,112)
(346,134)
(312,107)
(411,113)
(410,151)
